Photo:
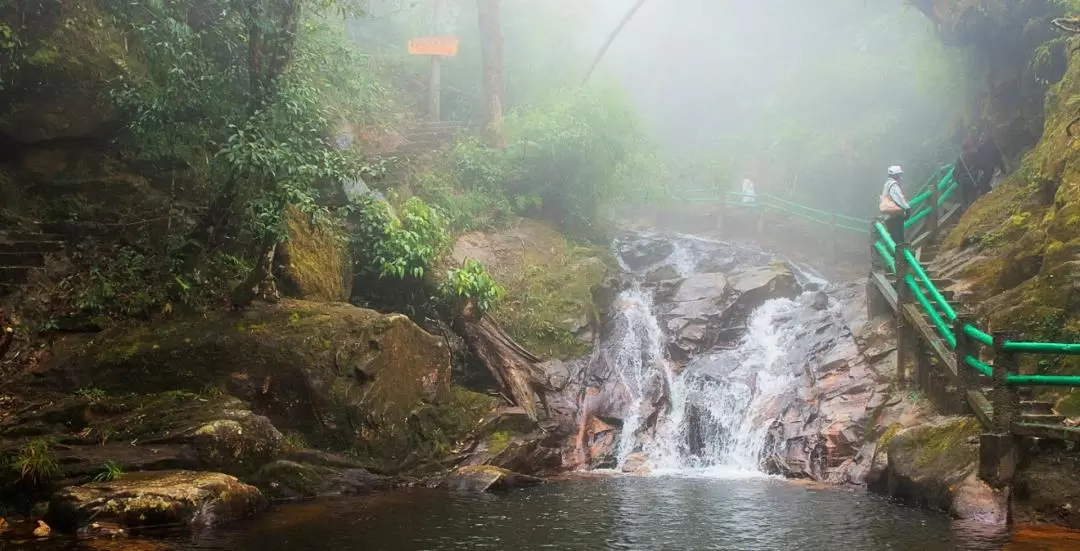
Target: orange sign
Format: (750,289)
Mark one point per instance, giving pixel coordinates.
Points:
(446,46)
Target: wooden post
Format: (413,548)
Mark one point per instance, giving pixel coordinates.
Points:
(904,334)
(965,347)
(1005,399)
(933,220)
(833,234)
(435,80)
(999,453)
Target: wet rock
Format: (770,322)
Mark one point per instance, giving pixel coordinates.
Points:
(323,370)
(821,300)
(642,253)
(934,465)
(663,273)
(284,479)
(155,498)
(164,431)
(752,287)
(636,463)
(485,478)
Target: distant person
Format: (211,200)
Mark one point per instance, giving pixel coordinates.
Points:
(989,160)
(893,205)
(965,171)
(749,197)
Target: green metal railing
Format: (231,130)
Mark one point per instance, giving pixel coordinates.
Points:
(942,314)
(779,204)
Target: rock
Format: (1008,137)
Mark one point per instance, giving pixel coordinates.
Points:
(313,263)
(934,465)
(702,287)
(752,287)
(155,498)
(636,463)
(72,54)
(42,530)
(341,376)
(170,430)
(821,300)
(663,273)
(284,479)
(485,478)
(642,253)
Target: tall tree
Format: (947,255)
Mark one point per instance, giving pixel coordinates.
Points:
(489,15)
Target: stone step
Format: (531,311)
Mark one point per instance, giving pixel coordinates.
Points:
(1037,406)
(1045,418)
(14,276)
(32,260)
(8,247)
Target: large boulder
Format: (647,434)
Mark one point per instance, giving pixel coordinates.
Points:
(154,499)
(313,263)
(341,376)
(168,430)
(935,464)
(485,478)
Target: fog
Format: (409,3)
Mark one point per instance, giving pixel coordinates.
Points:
(807,98)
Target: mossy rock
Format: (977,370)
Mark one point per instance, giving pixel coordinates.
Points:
(155,499)
(485,478)
(549,306)
(68,54)
(315,263)
(928,462)
(337,374)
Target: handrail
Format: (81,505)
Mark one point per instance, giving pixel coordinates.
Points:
(917,280)
(929,298)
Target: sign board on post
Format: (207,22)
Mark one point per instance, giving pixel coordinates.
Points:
(444,46)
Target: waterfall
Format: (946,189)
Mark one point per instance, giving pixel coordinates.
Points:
(715,411)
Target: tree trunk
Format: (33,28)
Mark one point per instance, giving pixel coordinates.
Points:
(489,15)
(260,282)
(510,364)
(611,38)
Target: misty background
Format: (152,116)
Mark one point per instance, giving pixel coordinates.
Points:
(811,100)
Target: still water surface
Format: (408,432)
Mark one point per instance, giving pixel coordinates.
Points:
(661,512)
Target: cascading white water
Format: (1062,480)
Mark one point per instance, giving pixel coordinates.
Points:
(717,413)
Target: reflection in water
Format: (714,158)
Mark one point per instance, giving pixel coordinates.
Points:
(684,512)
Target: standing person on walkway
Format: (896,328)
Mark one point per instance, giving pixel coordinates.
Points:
(893,205)
(749,197)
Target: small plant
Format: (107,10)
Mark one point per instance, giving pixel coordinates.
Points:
(294,442)
(472,282)
(36,463)
(110,471)
(91,393)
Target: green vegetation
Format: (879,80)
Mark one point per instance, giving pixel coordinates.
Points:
(35,463)
(110,472)
(473,282)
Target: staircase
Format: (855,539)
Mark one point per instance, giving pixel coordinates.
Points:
(428,136)
(21,252)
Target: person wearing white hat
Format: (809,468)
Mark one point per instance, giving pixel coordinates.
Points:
(893,205)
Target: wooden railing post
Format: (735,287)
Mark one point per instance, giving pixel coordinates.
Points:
(833,235)
(1005,399)
(904,335)
(965,347)
(998,450)
(933,221)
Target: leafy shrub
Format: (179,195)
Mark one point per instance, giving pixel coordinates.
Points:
(400,246)
(472,282)
(110,472)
